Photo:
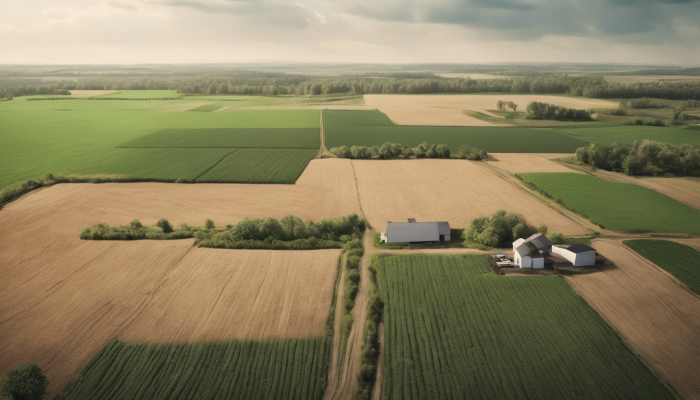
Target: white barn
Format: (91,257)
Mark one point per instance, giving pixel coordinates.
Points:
(578,254)
(521,251)
(416,232)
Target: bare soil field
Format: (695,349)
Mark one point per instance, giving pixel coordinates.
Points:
(651,78)
(216,294)
(517,163)
(90,93)
(425,109)
(63,299)
(178,107)
(655,315)
(421,189)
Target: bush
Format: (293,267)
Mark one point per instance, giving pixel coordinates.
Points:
(466,152)
(26,382)
(498,230)
(209,225)
(556,238)
(354,262)
(135,224)
(165,225)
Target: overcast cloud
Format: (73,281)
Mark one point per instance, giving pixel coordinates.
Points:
(390,31)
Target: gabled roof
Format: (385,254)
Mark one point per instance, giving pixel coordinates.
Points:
(540,241)
(523,249)
(579,248)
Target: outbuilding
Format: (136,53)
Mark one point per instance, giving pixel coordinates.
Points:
(416,232)
(522,257)
(577,254)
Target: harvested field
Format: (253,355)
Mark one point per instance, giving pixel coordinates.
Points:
(90,93)
(63,299)
(424,109)
(446,190)
(650,78)
(519,163)
(657,317)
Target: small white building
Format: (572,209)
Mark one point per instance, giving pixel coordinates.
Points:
(521,251)
(416,232)
(577,254)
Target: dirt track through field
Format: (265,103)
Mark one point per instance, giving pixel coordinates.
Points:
(447,190)
(62,298)
(656,316)
(426,109)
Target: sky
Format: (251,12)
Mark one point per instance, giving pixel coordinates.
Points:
(378,31)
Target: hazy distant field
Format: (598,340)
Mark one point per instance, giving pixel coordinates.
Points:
(628,134)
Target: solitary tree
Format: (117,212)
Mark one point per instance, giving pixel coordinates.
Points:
(165,225)
(209,224)
(499,105)
(24,383)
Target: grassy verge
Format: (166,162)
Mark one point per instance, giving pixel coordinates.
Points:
(354,252)
(370,341)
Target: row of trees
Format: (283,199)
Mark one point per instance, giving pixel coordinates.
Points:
(393,150)
(645,157)
(501,105)
(537,110)
(274,84)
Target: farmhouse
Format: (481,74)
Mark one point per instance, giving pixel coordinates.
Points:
(530,252)
(416,232)
(578,254)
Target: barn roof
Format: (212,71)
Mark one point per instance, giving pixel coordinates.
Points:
(523,249)
(579,248)
(540,241)
(443,227)
(419,231)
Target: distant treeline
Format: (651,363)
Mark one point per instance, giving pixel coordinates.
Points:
(395,150)
(103,98)
(645,157)
(274,84)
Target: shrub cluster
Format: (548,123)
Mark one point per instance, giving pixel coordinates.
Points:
(537,110)
(645,157)
(370,345)
(644,121)
(289,233)
(644,102)
(163,230)
(467,152)
(26,382)
(500,229)
(354,252)
(393,150)
(502,105)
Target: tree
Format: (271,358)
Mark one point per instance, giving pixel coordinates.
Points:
(26,382)
(499,105)
(543,229)
(135,224)
(512,105)
(165,225)
(209,224)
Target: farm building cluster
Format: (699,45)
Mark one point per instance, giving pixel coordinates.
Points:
(538,252)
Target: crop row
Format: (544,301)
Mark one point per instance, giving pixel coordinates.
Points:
(618,206)
(453,329)
(295,138)
(239,369)
(260,166)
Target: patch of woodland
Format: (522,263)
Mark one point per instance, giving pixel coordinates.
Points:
(644,157)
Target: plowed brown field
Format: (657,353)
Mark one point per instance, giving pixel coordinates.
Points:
(62,299)
(520,163)
(657,317)
(446,190)
(425,109)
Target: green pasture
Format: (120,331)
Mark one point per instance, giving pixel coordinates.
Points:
(300,138)
(628,134)
(208,107)
(363,118)
(621,207)
(39,141)
(455,330)
(492,139)
(677,259)
(260,166)
(239,369)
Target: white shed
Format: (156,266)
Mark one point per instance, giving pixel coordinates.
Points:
(522,257)
(416,232)
(577,254)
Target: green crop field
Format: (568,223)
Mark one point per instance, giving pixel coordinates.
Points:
(299,138)
(260,166)
(278,369)
(618,206)
(492,139)
(36,139)
(337,118)
(678,259)
(628,134)
(455,330)
(208,107)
